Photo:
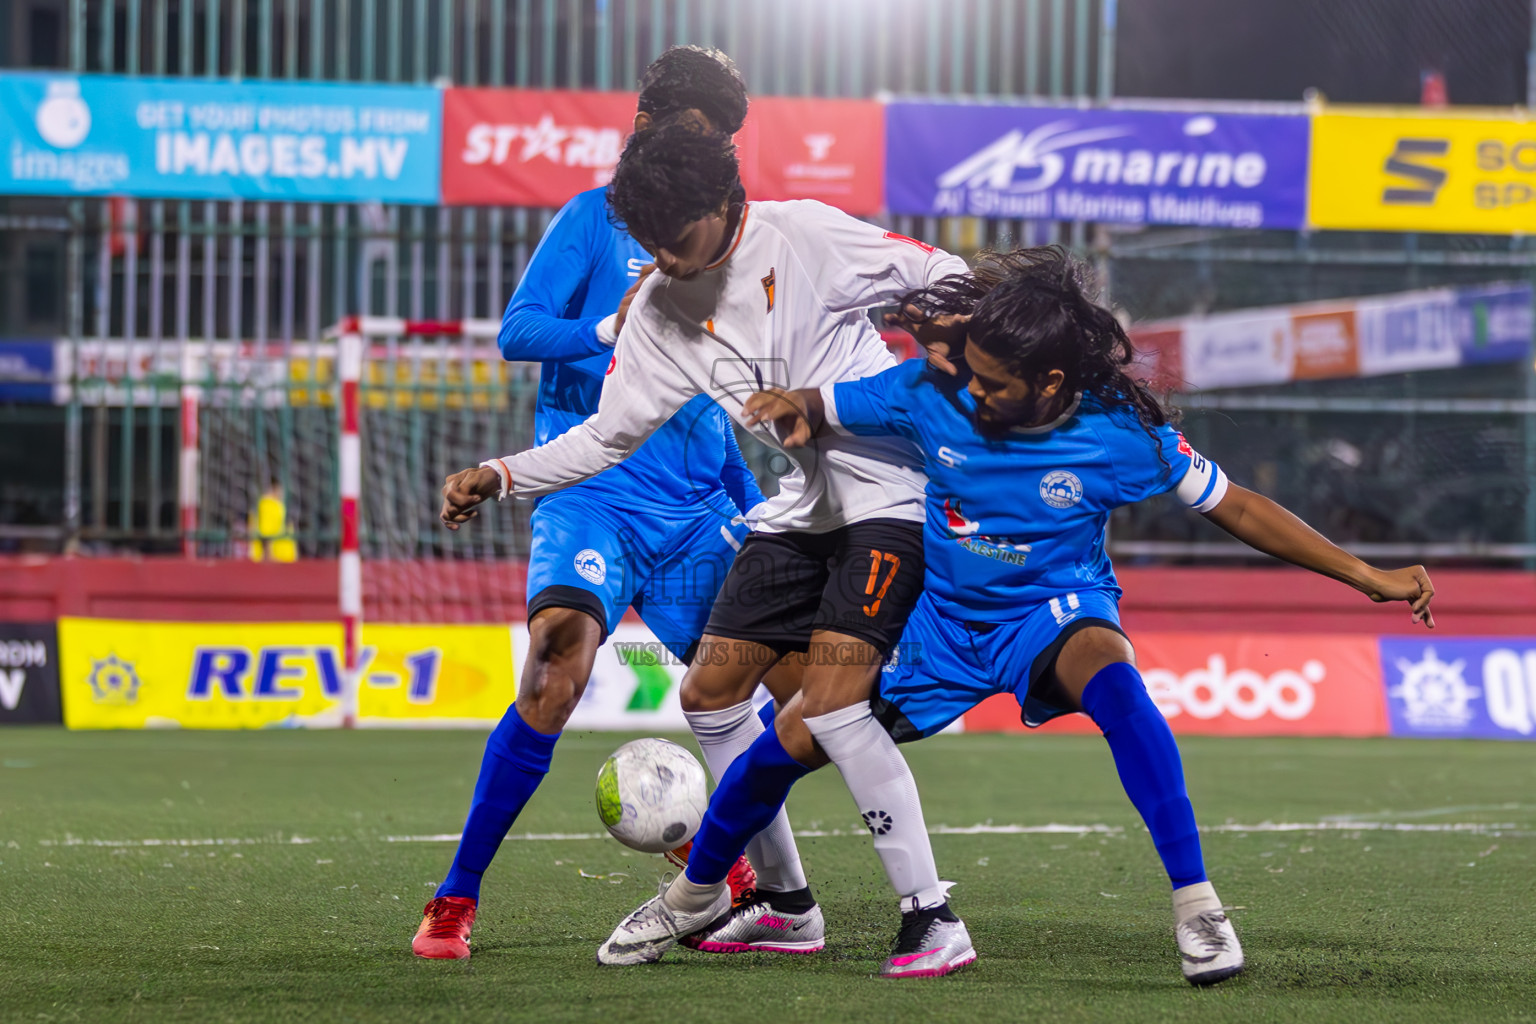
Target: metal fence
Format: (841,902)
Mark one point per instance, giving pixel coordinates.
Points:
(101,471)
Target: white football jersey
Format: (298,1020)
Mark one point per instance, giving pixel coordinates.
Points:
(785,307)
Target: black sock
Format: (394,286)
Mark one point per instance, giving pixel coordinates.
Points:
(791,901)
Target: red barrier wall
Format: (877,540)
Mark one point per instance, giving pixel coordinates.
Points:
(1180,600)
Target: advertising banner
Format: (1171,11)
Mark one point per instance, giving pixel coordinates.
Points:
(1120,166)
(1463,689)
(26,371)
(831,150)
(1233,684)
(1325,344)
(1422,330)
(118,674)
(1255,346)
(540,147)
(530,147)
(29,672)
(1404,170)
(197,139)
(1411,331)
(1494,324)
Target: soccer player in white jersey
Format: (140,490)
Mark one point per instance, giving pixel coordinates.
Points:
(1032,434)
(750,296)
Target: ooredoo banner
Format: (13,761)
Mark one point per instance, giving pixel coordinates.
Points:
(188,138)
(118,674)
(1121,166)
(1231,684)
(532,147)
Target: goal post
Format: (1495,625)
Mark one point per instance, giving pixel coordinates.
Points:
(415,400)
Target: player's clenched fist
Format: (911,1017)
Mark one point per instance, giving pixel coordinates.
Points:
(1411,585)
(464,490)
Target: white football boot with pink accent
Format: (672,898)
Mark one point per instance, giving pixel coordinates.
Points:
(754,925)
(931,943)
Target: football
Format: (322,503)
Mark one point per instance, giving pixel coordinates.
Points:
(651,795)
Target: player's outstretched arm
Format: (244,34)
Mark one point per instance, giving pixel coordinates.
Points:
(797,416)
(1266,526)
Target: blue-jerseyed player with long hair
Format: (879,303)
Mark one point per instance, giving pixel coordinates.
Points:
(1032,434)
(656,533)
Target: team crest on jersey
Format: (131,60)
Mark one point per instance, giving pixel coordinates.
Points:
(968,533)
(591,567)
(768,286)
(1061,488)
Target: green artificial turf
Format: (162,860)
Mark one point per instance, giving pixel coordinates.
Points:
(309,916)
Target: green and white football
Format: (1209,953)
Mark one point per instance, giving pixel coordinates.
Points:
(651,795)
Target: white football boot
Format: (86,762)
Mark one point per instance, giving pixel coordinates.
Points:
(653,928)
(754,925)
(931,943)
(1210,949)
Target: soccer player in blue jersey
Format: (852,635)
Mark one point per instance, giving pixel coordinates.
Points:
(1032,434)
(658,533)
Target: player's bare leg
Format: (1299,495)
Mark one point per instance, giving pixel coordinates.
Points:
(1096,673)
(562,643)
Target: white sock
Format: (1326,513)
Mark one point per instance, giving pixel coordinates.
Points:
(689,897)
(724,736)
(1194,899)
(886,794)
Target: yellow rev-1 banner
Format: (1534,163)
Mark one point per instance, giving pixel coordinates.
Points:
(118,674)
(1385,169)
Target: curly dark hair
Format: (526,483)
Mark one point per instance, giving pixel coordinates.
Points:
(670,175)
(1034,311)
(693,78)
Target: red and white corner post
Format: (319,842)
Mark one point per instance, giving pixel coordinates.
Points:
(349,372)
(188,481)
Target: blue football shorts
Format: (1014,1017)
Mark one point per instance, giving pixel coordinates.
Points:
(595,558)
(943,667)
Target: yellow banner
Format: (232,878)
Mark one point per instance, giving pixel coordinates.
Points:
(117,674)
(407,382)
(1399,171)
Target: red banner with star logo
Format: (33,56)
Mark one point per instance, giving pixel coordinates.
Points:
(531,147)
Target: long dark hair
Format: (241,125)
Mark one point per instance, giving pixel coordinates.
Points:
(1033,310)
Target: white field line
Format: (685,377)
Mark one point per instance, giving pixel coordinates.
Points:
(1463,828)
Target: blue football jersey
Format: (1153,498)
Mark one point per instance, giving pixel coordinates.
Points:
(578,274)
(1014,522)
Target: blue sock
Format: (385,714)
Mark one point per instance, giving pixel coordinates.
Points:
(750,793)
(516,761)
(1150,770)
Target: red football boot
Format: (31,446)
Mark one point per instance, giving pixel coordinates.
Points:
(444,931)
(742,879)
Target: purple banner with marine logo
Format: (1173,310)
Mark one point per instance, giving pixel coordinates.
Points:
(1118,166)
(1476,688)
